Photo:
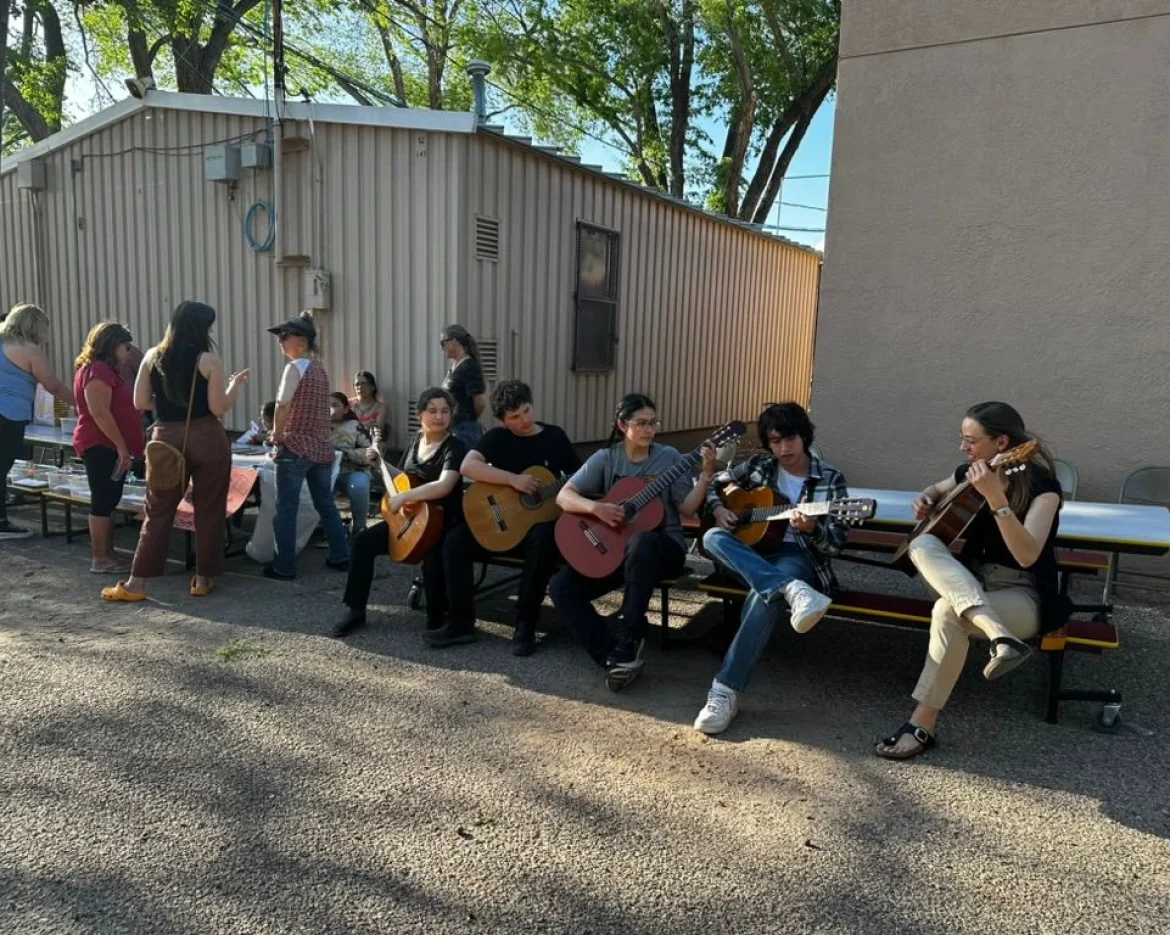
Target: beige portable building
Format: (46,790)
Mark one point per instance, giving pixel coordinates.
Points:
(395,222)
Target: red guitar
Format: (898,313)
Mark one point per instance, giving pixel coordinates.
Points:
(597,550)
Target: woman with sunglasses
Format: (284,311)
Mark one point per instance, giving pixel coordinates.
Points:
(651,557)
(464,381)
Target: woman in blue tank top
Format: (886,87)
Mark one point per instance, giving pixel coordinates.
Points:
(24,334)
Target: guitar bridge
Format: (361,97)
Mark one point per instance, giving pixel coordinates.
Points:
(593,539)
(497,513)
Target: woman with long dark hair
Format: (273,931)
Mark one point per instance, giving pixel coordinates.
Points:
(24,340)
(108,437)
(369,408)
(464,381)
(182,381)
(650,557)
(433,457)
(353,476)
(1003,587)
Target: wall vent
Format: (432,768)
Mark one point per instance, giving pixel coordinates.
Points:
(412,422)
(489,360)
(487,238)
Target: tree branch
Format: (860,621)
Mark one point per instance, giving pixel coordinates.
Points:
(393,61)
(26,115)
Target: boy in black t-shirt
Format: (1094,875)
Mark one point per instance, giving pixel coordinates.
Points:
(500,457)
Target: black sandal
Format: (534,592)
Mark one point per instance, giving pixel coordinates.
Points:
(999,667)
(924,737)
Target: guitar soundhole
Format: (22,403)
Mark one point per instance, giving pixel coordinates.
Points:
(529,501)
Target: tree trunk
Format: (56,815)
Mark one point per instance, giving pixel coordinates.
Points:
(27,116)
(55,56)
(394,62)
(790,148)
(5,10)
(682,59)
(804,105)
(743,124)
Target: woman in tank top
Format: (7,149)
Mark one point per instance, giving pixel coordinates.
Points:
(183,380)
(24,335)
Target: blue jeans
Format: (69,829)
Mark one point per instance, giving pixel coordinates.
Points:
(356,486)
(468,432)
(291,472)
(767,576)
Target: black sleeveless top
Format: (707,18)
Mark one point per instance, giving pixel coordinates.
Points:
(167,410)
(984,545)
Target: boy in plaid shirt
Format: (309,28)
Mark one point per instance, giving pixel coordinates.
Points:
(798,576)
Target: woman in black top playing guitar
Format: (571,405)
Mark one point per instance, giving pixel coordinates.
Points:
(1003,587)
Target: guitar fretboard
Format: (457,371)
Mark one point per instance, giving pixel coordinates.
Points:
(785,511)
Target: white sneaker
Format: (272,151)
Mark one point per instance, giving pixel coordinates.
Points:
(807,604)
(721,708)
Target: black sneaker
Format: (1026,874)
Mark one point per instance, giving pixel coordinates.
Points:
(524,639)
(450,635)
(354,621)
(343,565)
(623,665)
(270,572)
(10,530)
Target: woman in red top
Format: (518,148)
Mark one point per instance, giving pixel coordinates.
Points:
(108,436)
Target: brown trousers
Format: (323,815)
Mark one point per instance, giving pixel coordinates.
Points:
(209,465)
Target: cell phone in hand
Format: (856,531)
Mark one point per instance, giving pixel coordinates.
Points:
(119,473)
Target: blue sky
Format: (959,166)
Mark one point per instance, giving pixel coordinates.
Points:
(812,159)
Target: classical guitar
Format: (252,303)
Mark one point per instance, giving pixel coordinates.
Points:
(762,514)
(597,550)
(500,516)
(415,529)
(953,513)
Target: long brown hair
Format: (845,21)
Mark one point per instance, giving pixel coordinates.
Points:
(188,335)
(1001,419)
(102,343)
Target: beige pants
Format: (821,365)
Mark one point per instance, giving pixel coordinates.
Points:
(1007,591)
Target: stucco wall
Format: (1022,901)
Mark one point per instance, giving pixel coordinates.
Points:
(999,226)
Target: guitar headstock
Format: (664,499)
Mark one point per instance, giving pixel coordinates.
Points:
(727,433)
(1015,459)
(853,510)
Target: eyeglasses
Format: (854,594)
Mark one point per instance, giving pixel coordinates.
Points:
(645,423)
(443,342)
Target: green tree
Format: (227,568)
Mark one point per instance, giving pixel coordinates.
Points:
(33,71)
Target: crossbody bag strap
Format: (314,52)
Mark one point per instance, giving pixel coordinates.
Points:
(190,405)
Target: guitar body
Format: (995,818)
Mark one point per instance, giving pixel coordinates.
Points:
(500,516)
(947,522)
(415,530)
(596,550)
(763,537)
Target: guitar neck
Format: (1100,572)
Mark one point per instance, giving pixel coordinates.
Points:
(663,482)
(785,511)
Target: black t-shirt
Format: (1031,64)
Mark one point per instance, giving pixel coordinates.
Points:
(464,382)
(550,448)
(447,457)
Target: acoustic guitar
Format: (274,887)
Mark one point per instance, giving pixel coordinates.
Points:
(762,514)
(597,550)
(415,529)
(953,513)
(500,516)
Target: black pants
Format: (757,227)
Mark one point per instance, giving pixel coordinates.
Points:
(461,552)
(651,558)
(105,493)
(11,445)
(374,541)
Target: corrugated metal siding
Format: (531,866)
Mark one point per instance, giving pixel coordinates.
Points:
(713,321)
(133,233)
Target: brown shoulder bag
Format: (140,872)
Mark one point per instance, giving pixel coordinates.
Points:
(166,465)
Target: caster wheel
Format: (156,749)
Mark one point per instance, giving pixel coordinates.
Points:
(1107,719)
(414,599)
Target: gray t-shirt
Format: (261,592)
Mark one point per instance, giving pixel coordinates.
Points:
(606,467)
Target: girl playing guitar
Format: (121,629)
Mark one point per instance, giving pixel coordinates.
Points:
(1003,587)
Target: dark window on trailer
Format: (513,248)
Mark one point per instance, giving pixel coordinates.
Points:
(596,299)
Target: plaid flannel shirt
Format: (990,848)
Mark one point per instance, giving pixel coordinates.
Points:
(824,482)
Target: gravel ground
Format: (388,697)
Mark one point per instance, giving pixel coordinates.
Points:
(219,766)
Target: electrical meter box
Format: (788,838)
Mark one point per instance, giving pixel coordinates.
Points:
(221,163)
(30,175)
(316,289)
(255,155)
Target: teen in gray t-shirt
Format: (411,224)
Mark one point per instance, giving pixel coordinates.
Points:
(606,467)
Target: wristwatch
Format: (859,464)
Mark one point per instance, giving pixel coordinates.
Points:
(1004,511)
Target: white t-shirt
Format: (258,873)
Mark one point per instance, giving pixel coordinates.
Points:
(291,379)
(791,487)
